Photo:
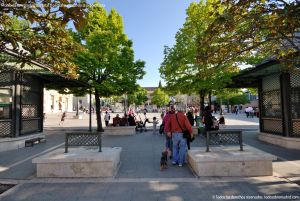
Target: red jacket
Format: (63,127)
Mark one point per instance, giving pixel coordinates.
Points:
(172,124)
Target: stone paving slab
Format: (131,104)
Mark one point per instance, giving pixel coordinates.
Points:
(202,189)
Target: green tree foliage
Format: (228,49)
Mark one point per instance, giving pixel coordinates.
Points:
(139,97)
(254,27)
(239,99)
(108,60)
(184,67)
(44,32)
(160,98)
(233,96)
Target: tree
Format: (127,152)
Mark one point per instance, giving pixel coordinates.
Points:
(160,98)
(43,35)
(108,60)
(183,67)
(264,28)
(239,99)
(139,97)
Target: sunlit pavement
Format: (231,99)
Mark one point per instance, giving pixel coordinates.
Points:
(139,177)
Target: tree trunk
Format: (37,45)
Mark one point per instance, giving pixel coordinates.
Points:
(98,111)
(228,108)
(202,94)
(209,99)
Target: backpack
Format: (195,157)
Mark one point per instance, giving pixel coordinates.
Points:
(161,129)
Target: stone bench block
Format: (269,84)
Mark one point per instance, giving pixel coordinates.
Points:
(228,161)
(120,130)
(79,162)
(286,142)
(9,143)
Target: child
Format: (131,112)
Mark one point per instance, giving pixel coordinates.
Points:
(222,122)
(155,122)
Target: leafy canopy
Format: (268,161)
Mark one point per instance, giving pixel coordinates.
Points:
(42,31)
(184,67)
(160,98)
(108,60)
(139,97)
(264,28)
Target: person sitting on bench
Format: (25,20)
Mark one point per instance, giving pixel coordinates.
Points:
(131,120)
(116,120)
(124,121)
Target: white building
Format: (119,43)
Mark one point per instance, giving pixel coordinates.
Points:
(56,102)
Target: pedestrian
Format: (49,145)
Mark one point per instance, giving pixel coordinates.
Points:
(106,118)
(236,109)
(190,117)
(168,143)
(62,119)
(207,120)
(176,125)
(247,112)
(154,122)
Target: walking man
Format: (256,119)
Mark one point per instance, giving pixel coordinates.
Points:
(175,126)
(106,118)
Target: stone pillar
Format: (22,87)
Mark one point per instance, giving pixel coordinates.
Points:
(260,104)
(17,96)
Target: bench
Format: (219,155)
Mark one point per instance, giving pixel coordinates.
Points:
(83,139)
(31,142)
(224,137)
(119,130)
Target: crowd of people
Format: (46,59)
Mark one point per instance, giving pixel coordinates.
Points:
(176,126)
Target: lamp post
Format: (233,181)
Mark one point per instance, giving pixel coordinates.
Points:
(77,112)
(90,106)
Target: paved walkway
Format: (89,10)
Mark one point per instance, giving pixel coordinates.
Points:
(139,177)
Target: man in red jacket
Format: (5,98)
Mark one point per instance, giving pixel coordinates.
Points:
(176,131)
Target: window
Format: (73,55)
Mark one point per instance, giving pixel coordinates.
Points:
(295,103)
(271,104)
(5,103)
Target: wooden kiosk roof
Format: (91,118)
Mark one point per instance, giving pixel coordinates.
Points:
(12,61)
(250,76)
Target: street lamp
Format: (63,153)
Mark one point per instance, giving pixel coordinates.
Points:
(90,106)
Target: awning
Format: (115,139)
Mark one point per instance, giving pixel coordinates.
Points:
(12,61)
(57,81)
(248,78)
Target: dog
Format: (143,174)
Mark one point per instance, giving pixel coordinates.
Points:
(164,160)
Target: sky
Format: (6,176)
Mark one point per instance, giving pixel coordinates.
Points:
(150,24)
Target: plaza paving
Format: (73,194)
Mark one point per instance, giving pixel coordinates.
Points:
(139,176)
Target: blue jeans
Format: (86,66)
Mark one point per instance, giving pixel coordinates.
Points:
(179,148)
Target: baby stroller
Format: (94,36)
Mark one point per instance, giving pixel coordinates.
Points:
(141,126)
(215,125)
